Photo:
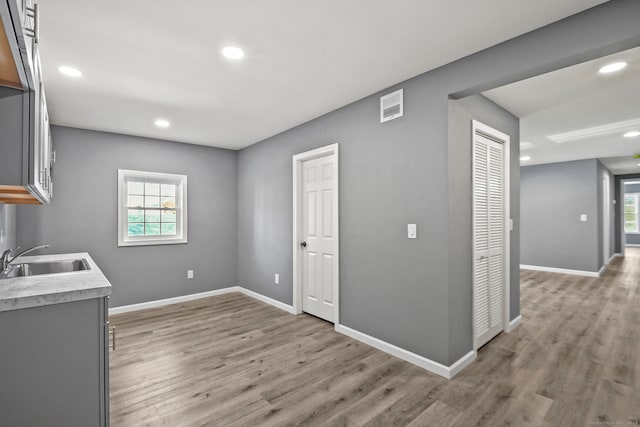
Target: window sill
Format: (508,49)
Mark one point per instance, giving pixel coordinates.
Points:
(152,242)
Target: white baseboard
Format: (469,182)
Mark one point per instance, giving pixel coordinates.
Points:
(270,301)
(616,255)
(461,363)
(428,364)
(562,270)
(168,301)
(191,297)
(514,323)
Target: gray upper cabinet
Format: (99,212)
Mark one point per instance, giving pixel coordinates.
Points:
(26,153)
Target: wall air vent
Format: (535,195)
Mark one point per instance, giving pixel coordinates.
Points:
(391,106)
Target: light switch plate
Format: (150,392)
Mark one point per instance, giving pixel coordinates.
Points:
(189,274)
(412,231)
(276,279)
(583,217)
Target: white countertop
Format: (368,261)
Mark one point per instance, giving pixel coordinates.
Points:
(47,289)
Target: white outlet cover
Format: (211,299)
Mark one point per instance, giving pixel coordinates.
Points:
(583,217)
(189,274)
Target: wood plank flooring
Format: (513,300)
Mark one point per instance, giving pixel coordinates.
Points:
(234,361)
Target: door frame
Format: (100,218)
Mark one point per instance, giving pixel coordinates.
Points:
(506,140)
(606,219)
(298,159)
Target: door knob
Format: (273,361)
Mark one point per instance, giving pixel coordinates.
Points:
(303,244)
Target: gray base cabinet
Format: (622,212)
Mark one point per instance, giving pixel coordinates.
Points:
(54,365)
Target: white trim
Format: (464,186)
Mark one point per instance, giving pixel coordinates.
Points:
(560,270)
(207,294)
(612,257)
(631,245)
(514,324)
(461,363)
(297,224)
(601,270)
(169,301)
(266,300)
(506,140)
(606,217)
(428,364)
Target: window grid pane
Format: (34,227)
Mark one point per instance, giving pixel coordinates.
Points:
(151,209)
(631,213)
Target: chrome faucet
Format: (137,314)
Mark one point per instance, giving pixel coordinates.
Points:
(10,255)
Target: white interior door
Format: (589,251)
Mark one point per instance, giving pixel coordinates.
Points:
(320,244)
(489,224)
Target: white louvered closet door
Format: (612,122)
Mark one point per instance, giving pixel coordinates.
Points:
(488,237)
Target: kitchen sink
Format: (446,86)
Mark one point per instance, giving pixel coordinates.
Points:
(48,267)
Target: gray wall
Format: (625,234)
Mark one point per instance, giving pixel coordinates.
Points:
(601,172)
(631,238)
(553,196)
(7,227)
(461,113)
(399,172)
(83,214)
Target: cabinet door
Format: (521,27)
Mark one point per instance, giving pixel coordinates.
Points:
(104,364)
(45,153)
(39,161)
(52,365)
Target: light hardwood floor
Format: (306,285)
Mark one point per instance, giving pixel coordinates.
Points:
(234,361)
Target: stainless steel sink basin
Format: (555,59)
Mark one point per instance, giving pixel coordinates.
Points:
(49,267)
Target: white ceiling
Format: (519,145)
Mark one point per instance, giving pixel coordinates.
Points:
(578,99)
(146,59)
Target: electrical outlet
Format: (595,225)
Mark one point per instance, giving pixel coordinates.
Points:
(189,274)
(276,279)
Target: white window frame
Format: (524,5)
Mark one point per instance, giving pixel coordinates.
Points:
(180,181)
(636,196)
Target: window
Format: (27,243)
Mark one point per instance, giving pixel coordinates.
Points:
(631,213)
(152,208)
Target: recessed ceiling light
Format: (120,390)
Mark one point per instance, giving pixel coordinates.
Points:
(525,158)
(232,52)
(162,123)
(70,71)
(613,67)
(632,134)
